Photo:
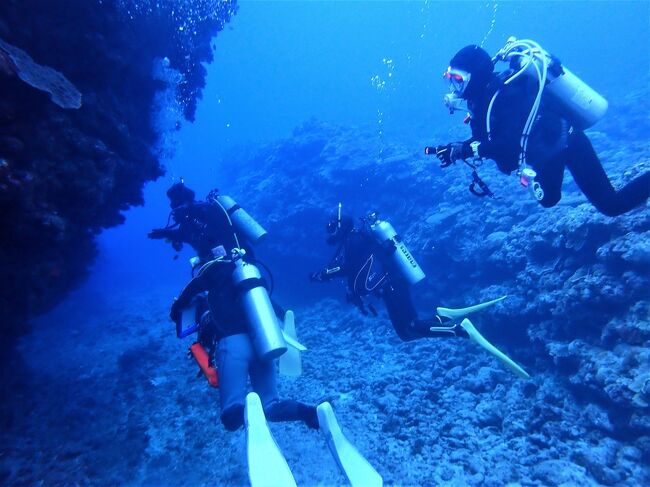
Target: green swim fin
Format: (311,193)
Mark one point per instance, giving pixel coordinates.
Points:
(354,465)
(474,334)
(290,361)
(463,312)
(267,466)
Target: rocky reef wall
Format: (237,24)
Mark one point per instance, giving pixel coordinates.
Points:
(77,136)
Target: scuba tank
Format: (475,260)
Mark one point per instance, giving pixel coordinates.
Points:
(242,221)
(577,102)
(400,256)
(580,104)
(264,328)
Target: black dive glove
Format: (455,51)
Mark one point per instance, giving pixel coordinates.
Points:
(158,234)
(450,153)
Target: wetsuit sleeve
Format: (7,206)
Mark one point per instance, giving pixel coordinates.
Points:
(336,267)
(199,284)
(167,233)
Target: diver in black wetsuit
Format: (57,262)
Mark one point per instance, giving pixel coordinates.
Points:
(202,224)
(210,227)
(366,265)
(375,262)
(236,358)
(552,145)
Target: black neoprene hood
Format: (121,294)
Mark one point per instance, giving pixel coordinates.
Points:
(179,194)
(475,61)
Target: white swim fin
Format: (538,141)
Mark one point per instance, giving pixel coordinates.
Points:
(463,312)
(355,467)
(267,466)
(290,361)
(474,334)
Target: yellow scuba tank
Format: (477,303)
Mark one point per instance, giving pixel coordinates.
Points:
(580,104)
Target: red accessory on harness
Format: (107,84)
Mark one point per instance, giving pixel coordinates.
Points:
(201,357)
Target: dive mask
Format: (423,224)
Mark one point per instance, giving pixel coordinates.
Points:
(457,79)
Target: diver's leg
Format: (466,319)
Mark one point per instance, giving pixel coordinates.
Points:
(289,410)
(589,175)
(263,380)
(549,176)
(233,356)
(399,304)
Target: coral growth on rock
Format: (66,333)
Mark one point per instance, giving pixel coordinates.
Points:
(66,174)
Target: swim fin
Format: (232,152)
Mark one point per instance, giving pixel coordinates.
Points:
(290,361)
(355,467)
(267,466)
(463,312)
(474,334)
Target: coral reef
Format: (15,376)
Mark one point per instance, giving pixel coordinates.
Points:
(67,169)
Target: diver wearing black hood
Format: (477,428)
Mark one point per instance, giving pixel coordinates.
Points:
(375,262)
(553,143)
(201,224)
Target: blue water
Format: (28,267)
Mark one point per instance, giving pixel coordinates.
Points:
(281,63)
(375,67)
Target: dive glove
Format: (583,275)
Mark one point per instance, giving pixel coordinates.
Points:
(450,153)
(157,233)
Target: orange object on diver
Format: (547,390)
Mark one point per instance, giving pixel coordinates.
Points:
(201,357)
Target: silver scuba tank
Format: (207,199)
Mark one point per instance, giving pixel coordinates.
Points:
(401,257)
(581,103)
(578,102)
(264,328)
(243,222)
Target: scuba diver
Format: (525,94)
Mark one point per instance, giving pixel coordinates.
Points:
(530,119)
(236,296)
(376,262)
(204,224)
(240,338)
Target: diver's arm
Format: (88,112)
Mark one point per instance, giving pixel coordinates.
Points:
(335,268)
(195,286)
(165,233)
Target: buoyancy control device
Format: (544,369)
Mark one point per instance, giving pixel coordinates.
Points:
(401,258)
(264,328)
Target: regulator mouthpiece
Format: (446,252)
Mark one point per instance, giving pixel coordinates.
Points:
(453,102)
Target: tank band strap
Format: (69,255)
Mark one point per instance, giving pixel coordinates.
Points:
(233,208)
(252,283)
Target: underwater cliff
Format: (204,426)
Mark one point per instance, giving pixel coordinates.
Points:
(88,90)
